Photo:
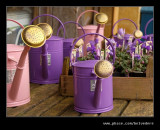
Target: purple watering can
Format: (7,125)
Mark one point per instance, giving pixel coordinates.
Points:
(89,29)
(124,38)
(93,93)
(68,43)
(148,37)
(46,62)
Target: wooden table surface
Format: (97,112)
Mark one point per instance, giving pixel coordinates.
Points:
(47,102)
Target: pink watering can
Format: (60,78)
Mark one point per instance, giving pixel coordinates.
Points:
(90,29)
(18,88)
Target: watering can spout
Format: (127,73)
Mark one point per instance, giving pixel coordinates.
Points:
(18,74)
(44,61)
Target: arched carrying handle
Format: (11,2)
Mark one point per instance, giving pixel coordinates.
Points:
(92,34)
(52,17)
(71,22)
(121,20)
(145,31)
(84,13)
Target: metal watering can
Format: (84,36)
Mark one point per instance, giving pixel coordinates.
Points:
(126,37)
(148,37)
(89,29)
(68,43)
(46,62)
(93,85)
(18,87)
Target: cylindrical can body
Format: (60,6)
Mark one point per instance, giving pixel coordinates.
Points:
(55,62)
(90,29)
(67,45)
(84,88)
(23,95)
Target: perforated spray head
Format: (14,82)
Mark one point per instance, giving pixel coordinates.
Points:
(103,69)
(47,29)
(101,18)
(33,36)
(78,43)
(138,34)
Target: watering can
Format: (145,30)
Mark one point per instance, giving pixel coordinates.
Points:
(148,37)
(89,29)
(93,93)
(68,43)
(127,37)
(18,87)
(46,62)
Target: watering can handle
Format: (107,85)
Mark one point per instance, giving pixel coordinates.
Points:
(84,13)
(50,16)
(92,34)
(145,31)
(19,30)
(121,20)
(70,22)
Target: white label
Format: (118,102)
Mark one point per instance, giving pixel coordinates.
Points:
(10,75)
(92,85)
(73,57)
(48,57)
(80,51)
(102,55)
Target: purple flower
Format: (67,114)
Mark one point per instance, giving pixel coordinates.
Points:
(137,56)
(148,48)
(121,33)
(143,45)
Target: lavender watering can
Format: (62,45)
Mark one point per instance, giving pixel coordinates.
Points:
(148,37)
(125,38)
(46,62)
(91,93)
(89,29)
(68,43)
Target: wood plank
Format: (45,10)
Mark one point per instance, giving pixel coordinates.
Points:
(43,107)
(66,14)
(59,108)
(108,25)
(123,87)
(133,88)
(38,95)
(139,108)
(66,86)
(88,115)
(149,70)
(115,19)
(132,13)
(70,112)
(118,107)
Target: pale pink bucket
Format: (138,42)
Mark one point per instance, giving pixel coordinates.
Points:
(22,96)
(89,29)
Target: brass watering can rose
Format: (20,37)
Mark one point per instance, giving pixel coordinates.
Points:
(33,36)
(103,69)
(138,34)
(47,29)
(79,42)
(101,18)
